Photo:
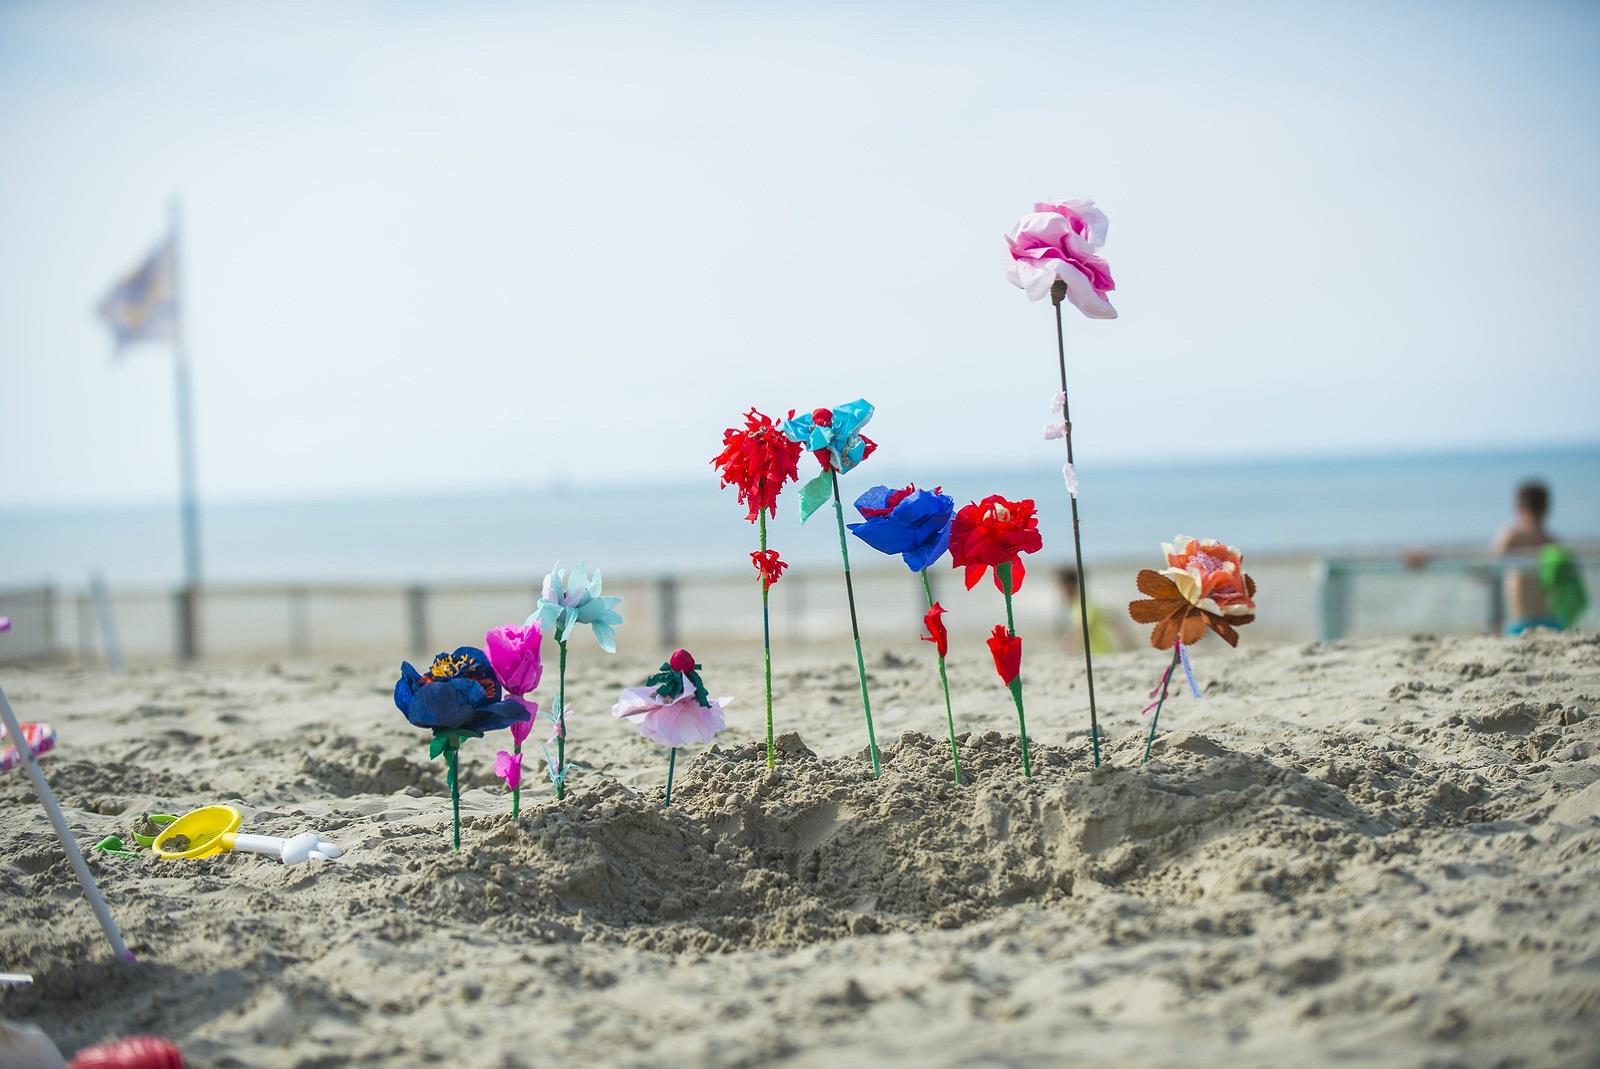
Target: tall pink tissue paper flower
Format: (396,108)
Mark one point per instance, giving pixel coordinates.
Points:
(1062,241)
(514,656)
(679,721)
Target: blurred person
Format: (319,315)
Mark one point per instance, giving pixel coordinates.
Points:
(1543,587)
(1106,634)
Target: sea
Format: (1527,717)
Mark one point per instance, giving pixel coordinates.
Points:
(1273,506)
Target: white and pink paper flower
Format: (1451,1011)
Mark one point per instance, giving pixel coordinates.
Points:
(1062,241)
(680,721)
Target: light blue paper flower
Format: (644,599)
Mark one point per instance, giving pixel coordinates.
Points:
(834,434)
(572,597)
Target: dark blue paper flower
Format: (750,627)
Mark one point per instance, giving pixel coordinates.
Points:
(459,690)
(913,523)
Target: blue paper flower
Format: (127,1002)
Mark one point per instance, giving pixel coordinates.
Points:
(834,434)
(460,691)
(572,597)
(913,523)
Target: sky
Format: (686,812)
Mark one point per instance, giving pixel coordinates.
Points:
(500,246)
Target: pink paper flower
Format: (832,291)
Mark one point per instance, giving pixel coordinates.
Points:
(680,721)
(514,656)
(1062,241)
(521,731)
(508,766)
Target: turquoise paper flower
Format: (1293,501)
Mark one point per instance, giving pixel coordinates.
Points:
(572,597)
(834,434)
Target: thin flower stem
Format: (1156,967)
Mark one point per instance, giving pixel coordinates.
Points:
(452,770)
(855,628)
(672,761)
(766,646)
(1166,681)
(561,726)
(1015,686)
(1057,292)
(944,681)
(516,792)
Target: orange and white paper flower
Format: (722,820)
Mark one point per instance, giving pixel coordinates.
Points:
(1204,585)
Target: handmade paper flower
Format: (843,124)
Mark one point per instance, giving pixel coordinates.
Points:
(1209,574)
(936,630)
(573,597)
(759,460)
(523,728)
(672,708)
(459,691)
(993,532)
(1181,611)
(514,656)
(508,766)
(1007,651)
(769,566)
(1062,241)
(913,523)
(834,435)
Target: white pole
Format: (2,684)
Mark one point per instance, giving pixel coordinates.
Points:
(188,494)
(64,833)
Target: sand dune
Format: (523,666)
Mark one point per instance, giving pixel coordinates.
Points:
(1376,851)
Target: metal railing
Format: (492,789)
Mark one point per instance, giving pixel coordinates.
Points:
(1300,597)
(1453,591)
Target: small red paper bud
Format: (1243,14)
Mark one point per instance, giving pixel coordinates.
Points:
(681,661)
(822,417)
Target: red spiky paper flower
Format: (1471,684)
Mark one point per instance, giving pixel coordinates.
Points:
(759,460)
(993,532)
(769,566)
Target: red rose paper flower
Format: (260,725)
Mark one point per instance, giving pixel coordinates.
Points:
(993,532)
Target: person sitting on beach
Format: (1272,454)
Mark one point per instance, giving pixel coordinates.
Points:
(1104,634)
(1543,587)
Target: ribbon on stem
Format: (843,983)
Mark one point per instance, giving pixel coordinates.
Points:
(1160,695)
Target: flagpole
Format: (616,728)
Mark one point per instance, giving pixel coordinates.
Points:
(189,504)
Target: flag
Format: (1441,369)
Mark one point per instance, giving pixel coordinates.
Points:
(143,305)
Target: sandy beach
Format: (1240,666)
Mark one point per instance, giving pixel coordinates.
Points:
(1382,852)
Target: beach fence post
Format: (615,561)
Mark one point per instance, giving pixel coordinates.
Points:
(299,622)
(186,621)
(417,614)
(1497,602)
(1332,581)
(109,640)
(667,601)
(85,878)
(85,630)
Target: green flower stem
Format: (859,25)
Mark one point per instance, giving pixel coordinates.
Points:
(855,628)
(672,761)
(516,792)
(561,724)
(1015,686)
(1166,681)
(1058,291)
(944,681)
(452,776)
(766,646)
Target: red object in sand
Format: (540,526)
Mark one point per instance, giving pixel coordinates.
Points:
(133,1052)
